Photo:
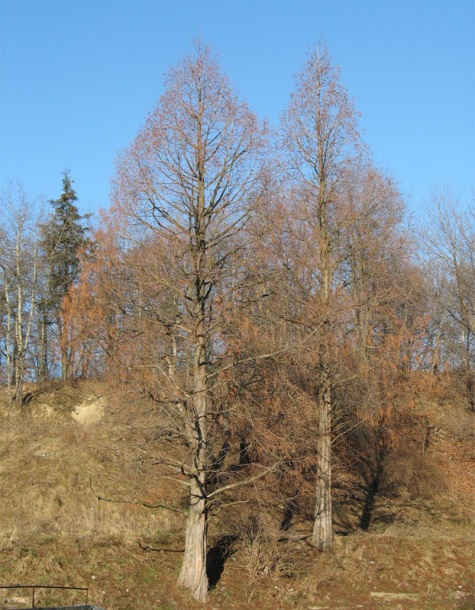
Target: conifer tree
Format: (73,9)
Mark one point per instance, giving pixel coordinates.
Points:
(63,236)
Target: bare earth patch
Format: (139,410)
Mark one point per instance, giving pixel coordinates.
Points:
(90,411)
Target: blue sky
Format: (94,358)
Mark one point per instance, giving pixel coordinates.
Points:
(78,78)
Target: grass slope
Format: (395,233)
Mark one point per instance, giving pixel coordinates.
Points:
(69,445)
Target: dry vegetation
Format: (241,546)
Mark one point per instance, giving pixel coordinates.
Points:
(55,463)
(265,314)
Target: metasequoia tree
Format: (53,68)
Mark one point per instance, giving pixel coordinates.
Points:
(321,141)
(386,334)
(186,185)
(84,321)
(371,330)
(373,246)
(94,312)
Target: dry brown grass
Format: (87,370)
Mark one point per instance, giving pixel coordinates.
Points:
(53,468)
(54,530)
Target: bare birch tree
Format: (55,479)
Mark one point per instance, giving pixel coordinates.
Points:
(450,244)
(19,284)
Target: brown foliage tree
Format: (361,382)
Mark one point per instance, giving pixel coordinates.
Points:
(321,140)
(183,191)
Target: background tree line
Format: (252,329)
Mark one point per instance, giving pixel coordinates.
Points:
(40,261)
(264,289)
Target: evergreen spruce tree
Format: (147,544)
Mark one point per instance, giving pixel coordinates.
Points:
(63,236)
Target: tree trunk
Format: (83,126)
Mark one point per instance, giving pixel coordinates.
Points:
(193,569)
(64,350)
(64,365)
(194,192)
(322,526)
(43,340)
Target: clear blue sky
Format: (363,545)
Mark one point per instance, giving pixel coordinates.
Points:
(78,78)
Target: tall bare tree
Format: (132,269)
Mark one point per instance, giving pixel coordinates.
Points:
(186,185)
(450,245)
(19,284)
(450,239)
(321,141)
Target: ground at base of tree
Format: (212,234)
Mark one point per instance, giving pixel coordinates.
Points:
(418,552)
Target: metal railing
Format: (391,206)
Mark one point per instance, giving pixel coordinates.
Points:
(35,587)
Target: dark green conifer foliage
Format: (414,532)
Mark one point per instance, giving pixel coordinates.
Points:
(63,236)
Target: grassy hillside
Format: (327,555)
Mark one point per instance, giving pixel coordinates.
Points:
(73,443)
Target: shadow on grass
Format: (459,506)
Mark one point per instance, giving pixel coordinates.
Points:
(217,558)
